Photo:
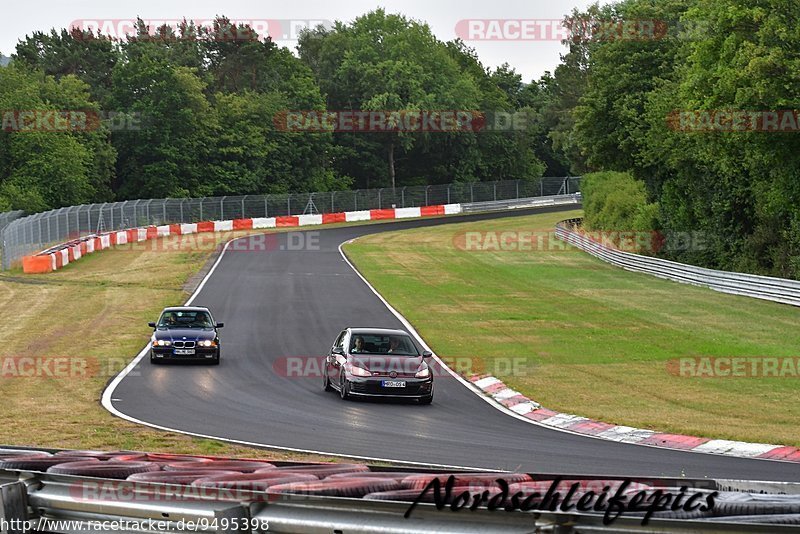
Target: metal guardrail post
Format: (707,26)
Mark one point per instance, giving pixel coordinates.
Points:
(13,507)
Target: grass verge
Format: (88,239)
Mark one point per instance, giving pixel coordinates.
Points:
(581,336)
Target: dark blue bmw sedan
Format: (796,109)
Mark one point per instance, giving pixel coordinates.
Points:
(185,333)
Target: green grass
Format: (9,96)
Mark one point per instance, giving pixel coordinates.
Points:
(581,336)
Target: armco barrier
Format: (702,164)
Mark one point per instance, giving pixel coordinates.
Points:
(749,285)
(56,257)
(41,491)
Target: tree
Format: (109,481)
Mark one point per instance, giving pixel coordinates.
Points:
(384,62)
(41,168)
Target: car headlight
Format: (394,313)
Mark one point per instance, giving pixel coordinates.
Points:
(162,343)
(424,372)
(359,371)
(207,343)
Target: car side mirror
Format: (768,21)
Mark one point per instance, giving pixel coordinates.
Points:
(151,325)
(220,325)
(427,354)
(338,350)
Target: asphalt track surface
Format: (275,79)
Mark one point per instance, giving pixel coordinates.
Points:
(282,303)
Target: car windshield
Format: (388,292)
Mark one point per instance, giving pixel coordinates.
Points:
(398,345)
(185,319)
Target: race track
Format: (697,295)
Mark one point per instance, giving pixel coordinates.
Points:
(280,303)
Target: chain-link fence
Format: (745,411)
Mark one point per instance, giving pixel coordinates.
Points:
(5,220)
(34,233)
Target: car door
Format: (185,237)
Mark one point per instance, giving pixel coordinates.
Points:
(336,361)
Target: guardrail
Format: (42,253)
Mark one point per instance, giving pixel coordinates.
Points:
(749,285)
(34,497)
(33,233)
(520,203)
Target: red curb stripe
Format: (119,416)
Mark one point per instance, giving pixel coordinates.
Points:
(674,441)
(494,388)
(175,229)
(381,214)
(205,226)
(242,224)
(789,454)
(590,427)
(328,218)
(540,414)
(281,222)
(513,401)
(427,211)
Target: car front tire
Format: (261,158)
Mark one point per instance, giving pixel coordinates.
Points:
(326,380)
(344,388)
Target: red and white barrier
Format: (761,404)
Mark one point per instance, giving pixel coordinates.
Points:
(59,256)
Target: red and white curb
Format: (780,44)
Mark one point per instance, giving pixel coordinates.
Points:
(520,404)
(58,256)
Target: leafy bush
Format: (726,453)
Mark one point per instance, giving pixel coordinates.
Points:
(616,201)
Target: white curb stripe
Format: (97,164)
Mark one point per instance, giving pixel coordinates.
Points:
(263,222)
(351,216)
(525,407)
(484,383)
(223,226)
(504,394)
(626,434)
(405,213)
(563,420)
(735,448)
(308,220)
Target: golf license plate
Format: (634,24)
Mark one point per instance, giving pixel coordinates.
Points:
(393,383)
(184,352)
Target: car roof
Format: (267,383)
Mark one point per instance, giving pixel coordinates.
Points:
(383,331)
(185,308)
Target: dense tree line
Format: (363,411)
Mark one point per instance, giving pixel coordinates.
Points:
(208,114)
(738,187)
(197,111)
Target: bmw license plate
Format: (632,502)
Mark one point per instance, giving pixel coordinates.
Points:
(393,383)
(184,352)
